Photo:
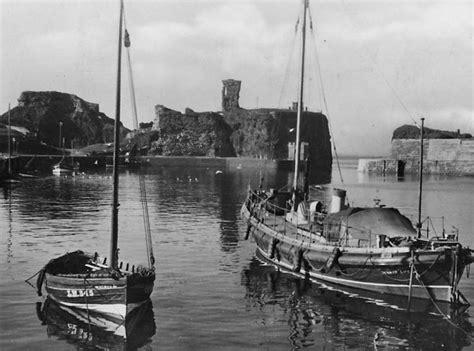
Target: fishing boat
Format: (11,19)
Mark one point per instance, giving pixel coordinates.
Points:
(315,234)
(105,285)
(66,168)
(62,169)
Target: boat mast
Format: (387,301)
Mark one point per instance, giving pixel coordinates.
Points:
(420,191)
(115,203)
(9,144)
(72,154)
(300,98)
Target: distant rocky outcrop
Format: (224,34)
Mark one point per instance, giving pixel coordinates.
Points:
(233,132)
(412,132)
(46,114)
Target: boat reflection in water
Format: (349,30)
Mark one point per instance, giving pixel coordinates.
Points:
(93,330)
(317,313)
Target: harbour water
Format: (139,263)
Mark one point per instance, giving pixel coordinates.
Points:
(211,291)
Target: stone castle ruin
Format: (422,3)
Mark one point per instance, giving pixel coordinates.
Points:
(230,94)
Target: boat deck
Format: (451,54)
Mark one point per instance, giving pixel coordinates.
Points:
(281,226)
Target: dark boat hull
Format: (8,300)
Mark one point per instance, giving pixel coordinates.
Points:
(83,281)
(433,275)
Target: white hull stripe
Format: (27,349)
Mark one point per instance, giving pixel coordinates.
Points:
(116,310)
(88,287)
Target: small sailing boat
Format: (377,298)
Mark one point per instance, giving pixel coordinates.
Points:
(94,283)
(66,168)
(61,168)
(374,249)
(8,176)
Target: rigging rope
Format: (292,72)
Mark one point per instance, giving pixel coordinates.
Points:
(143,196)
(324,95)
(285,82)
(288,65)
(377,68)
(446,317)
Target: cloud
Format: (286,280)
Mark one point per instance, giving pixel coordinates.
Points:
(225,41)
(422,20)
(378,58)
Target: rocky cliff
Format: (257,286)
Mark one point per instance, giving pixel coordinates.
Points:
(268,133)
(258,133)
(412,132)
(46,114)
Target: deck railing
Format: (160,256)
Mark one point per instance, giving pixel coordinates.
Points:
(333,231)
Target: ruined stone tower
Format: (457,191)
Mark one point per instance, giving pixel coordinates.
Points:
(230,94)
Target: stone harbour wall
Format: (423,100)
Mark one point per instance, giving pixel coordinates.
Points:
(440,156)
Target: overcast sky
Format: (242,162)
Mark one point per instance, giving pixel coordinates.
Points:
(384,63)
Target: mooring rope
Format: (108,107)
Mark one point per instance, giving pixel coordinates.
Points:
(445,316)
(376,66)
(27,281)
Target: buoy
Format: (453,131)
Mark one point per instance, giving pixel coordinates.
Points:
(272,247)
(332,259)
(297,258)
(305,264)
(247,233)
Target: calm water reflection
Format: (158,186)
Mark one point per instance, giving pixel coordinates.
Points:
(97,331)
(210,292)
(324,317)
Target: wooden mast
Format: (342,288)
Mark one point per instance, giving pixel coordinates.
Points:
(9,144)
(115,202)
(300,99)
(420,191)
